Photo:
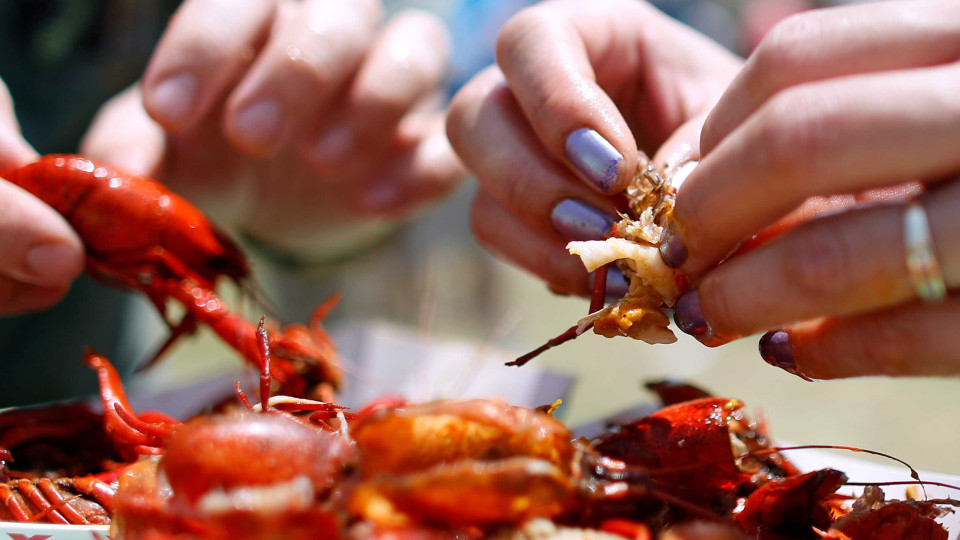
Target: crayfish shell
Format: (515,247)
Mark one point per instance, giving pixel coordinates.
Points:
(633,244)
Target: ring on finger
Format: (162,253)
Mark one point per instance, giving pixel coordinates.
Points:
(922,264)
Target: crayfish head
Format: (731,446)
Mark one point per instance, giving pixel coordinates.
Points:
(225,454)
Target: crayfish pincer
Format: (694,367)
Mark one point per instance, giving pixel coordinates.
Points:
(140,235)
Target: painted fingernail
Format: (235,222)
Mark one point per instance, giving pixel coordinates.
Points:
(597,159)
(580,221)
(689,317)
(672,249)
(172,100)
(53,261)
(617,284)
(260,125)
(776,350)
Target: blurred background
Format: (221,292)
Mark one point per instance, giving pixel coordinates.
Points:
(430,281)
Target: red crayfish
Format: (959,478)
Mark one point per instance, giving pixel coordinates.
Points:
(296,468)
(140,235)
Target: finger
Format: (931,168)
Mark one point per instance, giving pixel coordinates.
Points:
(38,246)
(317,46)
(556,58)
(17,298)
(546,63)
(822,206)
(846,263)
(489,132)
(541,254)
(205,49)
(123,134)
(14,150)
(683,145)
(405,63)
(426,172)
(908,340)
(838,136)
(839,41)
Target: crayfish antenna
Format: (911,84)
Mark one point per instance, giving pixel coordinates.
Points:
(263,342)
(597,299)
(913,472)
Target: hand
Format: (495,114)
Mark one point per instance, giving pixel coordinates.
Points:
(290,121)
(40,254)
(836,119)
(553,133)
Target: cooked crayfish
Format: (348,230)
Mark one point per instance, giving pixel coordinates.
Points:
(631,246)
(140,235)
(296,468)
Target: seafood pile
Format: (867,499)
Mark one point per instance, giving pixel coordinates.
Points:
(297,468)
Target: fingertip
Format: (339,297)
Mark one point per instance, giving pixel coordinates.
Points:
(776,349)
(172,100)
(37,245)
(53,263)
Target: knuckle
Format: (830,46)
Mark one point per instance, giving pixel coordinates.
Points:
(517,29)
(793,133)
(464,113)
(783,49)
(820,263)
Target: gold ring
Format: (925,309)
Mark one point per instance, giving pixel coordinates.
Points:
(922,261)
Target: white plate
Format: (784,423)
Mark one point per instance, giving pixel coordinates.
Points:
(44,531)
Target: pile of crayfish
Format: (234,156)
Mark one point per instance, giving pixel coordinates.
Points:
(294,468)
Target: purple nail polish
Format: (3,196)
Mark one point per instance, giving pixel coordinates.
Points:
(672,249)
(776,350)
(617,284)
(579,221)
(594,157)
(689,318)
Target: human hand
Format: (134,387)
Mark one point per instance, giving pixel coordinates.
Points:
(553,133)
(836,120)
(40,254)
(292,122)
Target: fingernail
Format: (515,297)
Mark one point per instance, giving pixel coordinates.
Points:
(172,100)
(776,350)
(682,172)
(52,261)
(617,284)
(594,157)
(260,125)
(672,249)
(579,221)
(333,145)
(689,317)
